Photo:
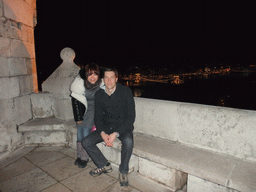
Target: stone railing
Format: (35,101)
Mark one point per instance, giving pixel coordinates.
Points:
(220,129)
(58,85)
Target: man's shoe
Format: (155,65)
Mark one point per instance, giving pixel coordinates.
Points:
(77,161)
(123,179)
(82,164)
(99,171)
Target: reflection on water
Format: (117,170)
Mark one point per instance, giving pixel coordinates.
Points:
(228,91)
(137,92)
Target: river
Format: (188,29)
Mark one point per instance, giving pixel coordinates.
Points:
(232,90)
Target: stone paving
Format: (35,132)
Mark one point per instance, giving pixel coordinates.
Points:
(52,169)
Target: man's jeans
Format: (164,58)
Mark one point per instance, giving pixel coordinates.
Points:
(89,143)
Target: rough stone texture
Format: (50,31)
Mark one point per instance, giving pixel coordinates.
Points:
(14,30)
(4,67)
(243,177)
(29,63)
(196,184)
(1,9)
(17,66)
(10,157)
(1,25)
(18,76)
(18,11)
(31,70)
(7,112)
(73,140)
(46,137)
(63,108)
(22,49)
(58,84)
(218,168)
(16,138)
(9,87)
(42,105)
(156,117)
(59,81)
(26,84)
(34,75)
(70,126)
(23,109)
(6,27)
(44,124)
(9,138)
(170,177)
(49,126)
(5,47)
(34,180)
(27,34)
(226,130)
(4,138)
(31,3)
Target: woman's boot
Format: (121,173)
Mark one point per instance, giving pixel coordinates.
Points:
(84,157)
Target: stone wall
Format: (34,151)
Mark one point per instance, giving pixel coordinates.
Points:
(18,78)
(221,129)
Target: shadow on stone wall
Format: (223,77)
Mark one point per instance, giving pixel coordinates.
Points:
(18,78)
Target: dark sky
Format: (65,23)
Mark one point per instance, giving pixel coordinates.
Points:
(151,34)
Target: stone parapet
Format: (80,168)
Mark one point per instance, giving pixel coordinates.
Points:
(220,129)
(58,84)
(63,108)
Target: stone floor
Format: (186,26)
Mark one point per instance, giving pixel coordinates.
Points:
(52,169)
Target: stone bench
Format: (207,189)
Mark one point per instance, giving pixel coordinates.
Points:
(167,162)
(49,131)
(174,164)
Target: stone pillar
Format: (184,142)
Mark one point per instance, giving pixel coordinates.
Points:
(18,78)
(58,84)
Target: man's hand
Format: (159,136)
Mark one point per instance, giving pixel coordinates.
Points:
(111,139)
(104,136)
(108,139)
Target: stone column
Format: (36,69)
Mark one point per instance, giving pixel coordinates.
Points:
(18,78)
(58,84)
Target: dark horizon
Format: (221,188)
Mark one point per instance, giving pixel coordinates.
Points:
(158,35)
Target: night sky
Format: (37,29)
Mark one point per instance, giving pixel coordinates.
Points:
(148,34)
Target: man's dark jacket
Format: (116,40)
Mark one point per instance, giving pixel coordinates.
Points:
(115,113)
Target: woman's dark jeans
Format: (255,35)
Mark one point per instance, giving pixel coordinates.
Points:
(89,143)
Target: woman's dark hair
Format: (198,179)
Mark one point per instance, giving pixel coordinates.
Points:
(89,70)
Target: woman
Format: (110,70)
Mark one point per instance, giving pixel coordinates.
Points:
(83,89)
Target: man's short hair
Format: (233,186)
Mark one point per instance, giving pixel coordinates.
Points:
(111,69)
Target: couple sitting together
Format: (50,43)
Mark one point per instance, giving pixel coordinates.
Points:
(110,107)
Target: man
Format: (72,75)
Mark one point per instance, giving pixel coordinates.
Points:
(114,118)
